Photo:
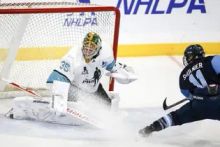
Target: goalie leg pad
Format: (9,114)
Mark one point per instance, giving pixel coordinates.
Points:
(59,96)
(29,108)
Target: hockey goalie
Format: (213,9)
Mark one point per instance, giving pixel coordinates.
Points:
(77,95)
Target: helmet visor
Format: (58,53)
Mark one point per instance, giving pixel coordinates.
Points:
(185,63)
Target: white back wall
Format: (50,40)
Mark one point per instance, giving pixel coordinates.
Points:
(150,21)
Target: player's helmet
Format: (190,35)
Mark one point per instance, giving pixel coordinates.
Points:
(193,52)
(92,44)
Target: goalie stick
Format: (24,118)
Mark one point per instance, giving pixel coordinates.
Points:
(29,91)
(69,110)
(165,106)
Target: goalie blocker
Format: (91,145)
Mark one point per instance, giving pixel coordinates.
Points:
(55,109)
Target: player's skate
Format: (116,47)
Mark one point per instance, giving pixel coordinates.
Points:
(145,132)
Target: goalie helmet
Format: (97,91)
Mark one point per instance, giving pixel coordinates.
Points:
(92,44)
(193,52)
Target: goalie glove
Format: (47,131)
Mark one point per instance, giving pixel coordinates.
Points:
(122,73)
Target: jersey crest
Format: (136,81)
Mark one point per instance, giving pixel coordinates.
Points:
(95,79)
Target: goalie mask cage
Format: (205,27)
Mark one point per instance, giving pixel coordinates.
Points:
(34,36)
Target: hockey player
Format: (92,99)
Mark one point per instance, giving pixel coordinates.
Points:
(77,77)
(199,82)
(83,69)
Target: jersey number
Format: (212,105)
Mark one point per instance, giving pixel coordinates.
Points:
(64,66)
(198,80)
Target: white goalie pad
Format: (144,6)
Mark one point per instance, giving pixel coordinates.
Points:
(29,108)
(51,109)
(59,96)
(115,99)
(56,109)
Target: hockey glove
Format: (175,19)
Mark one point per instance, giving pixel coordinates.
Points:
(122,73)
(202,93)
(213,89)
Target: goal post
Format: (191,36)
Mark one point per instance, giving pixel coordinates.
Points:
(12,50)
(35,36)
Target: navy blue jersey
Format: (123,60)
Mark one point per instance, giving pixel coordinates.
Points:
(197,75)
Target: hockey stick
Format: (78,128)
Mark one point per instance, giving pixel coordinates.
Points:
(165,106)
(70,111)
(31,92)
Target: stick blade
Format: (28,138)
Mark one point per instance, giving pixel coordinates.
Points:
(165,104)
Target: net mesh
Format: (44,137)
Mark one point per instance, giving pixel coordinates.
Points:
(43,38)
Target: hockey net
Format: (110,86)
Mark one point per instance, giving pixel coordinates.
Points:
(34,36)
